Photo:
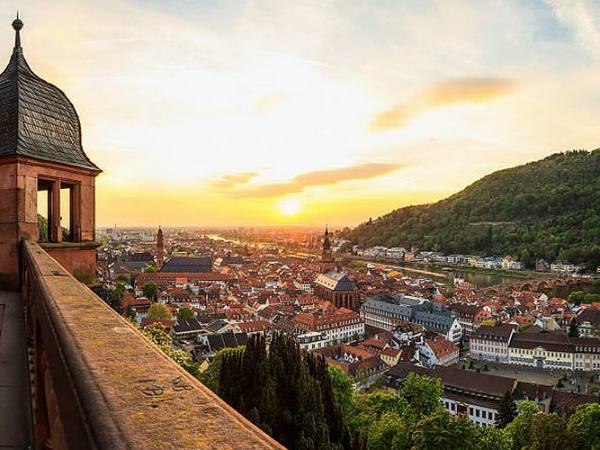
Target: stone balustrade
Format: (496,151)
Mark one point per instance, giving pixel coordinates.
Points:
(97,383)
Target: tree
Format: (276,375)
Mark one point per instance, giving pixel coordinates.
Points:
(506,411)
(210,377)
(442,431)
(287,393)
(422,393)
(343,389)
(584,427)
(185,314)
(123,278)
(576,297)
(389,432)
(573,328)
(538,430)
(150,268)
(549,431)
(590,298)
(368,409)
(116,294)
(158,311)
(157,335)
(493,438)
(525,258)
(149,290)
(520,427)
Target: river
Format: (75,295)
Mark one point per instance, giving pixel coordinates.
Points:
(479,280)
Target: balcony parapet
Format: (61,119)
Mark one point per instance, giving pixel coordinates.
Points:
(100,384)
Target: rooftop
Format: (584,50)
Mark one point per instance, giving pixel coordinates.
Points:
(187,264)
(37,120)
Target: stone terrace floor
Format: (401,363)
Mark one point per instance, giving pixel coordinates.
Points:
(15,429)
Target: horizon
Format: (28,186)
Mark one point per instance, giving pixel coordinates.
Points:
(267,122)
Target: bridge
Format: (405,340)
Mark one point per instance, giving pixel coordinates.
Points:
(535,285)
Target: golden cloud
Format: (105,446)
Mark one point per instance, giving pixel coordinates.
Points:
(234,179)
(455,91)
(318,178)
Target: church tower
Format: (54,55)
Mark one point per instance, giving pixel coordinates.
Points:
(327,262)
(160,249)
(47,182)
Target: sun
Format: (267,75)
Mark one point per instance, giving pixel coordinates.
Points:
(289,207)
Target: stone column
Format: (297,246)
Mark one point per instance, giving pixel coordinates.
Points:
(76,213)
(54,213)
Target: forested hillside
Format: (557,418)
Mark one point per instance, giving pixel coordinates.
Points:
(545,209)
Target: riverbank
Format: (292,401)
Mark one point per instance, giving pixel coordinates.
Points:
(437,270)
(519,275)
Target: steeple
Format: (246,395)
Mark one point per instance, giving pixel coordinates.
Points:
(160,249)
(326,241)
(327,262)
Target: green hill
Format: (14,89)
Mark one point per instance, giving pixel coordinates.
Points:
(545,209)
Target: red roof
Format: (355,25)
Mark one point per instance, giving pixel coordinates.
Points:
(442,347)
(167,277)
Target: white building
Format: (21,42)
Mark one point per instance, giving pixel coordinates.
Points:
(562,267)
(343,325)
(304,284)
(312,340)
(555,350)
(491,343)
(438,352)
(465,393)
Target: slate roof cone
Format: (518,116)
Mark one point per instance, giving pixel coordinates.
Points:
(37,120)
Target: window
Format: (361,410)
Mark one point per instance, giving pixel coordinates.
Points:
(58,210)
(43,207)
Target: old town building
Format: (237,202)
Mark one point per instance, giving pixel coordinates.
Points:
(387,311)
(334,285)
(491,343)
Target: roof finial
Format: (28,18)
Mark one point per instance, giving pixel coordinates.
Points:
(17,25)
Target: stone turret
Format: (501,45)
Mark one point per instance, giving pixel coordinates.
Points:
(41,157)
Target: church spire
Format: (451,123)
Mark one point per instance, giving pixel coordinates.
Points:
(160,249)
(327,262)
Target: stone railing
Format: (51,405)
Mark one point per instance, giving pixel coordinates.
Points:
(97,383)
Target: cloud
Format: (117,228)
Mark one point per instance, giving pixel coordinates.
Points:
(267,102)
(234,179)
(449,92)
(318,178)
(577,15)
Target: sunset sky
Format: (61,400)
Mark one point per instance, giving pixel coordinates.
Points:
(311,112)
